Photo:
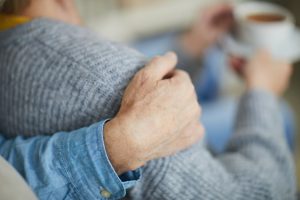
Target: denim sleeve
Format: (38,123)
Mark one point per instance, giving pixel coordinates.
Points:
(71,165)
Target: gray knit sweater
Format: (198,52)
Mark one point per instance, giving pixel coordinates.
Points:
(58,77)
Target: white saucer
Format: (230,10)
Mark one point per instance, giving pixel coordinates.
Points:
(289,50)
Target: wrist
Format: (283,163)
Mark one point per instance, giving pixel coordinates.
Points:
(120,147)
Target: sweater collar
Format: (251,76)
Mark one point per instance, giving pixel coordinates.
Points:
(11,21)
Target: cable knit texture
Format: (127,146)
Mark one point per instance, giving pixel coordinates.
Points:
(58,77)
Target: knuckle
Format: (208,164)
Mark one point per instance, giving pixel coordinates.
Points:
(185,76)
(192,90)
(200,131)
(185,81)
(191,94)
(195,138)
(143,76)
(198,110)
(195,112)
(155,60)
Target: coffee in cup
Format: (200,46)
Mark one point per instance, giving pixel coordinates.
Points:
(265,17)
(264,25)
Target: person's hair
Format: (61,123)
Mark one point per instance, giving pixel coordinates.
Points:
(13,6)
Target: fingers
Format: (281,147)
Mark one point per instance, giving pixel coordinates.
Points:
(215,9)
(180,82)
(264,71)
(183,89)
(262,54)
(159,67)
(237,64)
(216,20)
(220,15)
(222,7)
(181,77)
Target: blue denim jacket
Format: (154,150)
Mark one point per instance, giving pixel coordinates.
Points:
(70,165)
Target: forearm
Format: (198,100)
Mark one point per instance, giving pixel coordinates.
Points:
(65,162)
(258,164)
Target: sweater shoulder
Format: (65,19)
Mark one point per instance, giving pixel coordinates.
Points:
(108,65)
(78,45)
(69,77)
(91,52)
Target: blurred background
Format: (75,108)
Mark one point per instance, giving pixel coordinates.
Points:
(132,20)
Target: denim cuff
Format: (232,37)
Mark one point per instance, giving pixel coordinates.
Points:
(88,168)
(127,179)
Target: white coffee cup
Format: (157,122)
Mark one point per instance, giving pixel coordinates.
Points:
(263,34)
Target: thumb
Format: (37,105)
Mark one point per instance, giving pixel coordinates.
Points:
(160,66)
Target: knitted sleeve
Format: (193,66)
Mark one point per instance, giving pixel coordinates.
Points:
(257,164)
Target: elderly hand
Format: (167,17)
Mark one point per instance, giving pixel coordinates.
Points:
(212,23)
(159,116)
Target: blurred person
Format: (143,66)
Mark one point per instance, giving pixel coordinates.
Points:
(78,78)
(199,53)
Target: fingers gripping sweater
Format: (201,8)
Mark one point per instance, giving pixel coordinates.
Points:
(58,77)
